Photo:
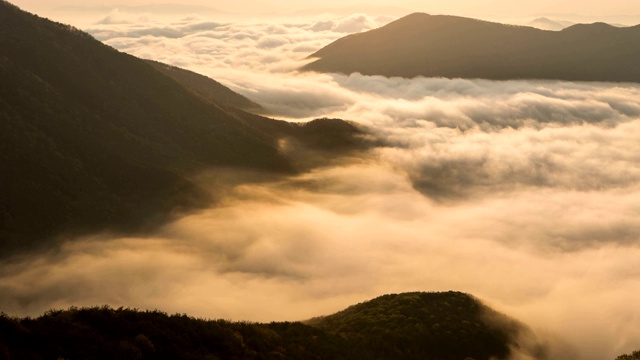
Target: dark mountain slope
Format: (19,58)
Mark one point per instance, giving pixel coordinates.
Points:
(91,138)
(449,46)
(426,326)
(207,88)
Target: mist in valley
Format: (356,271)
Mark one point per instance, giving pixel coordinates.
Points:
(522,193)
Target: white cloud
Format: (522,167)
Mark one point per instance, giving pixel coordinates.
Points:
(312,244)
(520,192)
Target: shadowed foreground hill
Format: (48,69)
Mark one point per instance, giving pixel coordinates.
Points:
(449,46)
(633,356)
(447,326)
(426,326)
(93,139)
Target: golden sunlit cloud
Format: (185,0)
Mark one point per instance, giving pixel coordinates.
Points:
(523,193)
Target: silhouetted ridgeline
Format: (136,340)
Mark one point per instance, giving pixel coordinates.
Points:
(92,139)
(449,46)
(445,326)
(207,88)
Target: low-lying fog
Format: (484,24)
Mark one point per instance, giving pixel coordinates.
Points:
(523,193)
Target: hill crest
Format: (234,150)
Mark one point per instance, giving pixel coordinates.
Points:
(405,330)
(456,47)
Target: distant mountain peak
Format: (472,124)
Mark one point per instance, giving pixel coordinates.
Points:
(456,47)
(545,23)
(593,27)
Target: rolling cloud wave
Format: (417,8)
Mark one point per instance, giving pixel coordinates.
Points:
(523,193)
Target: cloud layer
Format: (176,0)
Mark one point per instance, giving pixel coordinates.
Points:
(312,244)
(523,193)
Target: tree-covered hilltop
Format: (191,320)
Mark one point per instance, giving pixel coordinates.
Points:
(105,333)
(633,356)
(427,326)
(446,326)
(93,139)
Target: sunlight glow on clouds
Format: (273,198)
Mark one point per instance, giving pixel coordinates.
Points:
(524,193)
(619,10)
(285,250)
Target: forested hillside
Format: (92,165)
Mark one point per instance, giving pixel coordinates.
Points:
(92,139)
(426,326)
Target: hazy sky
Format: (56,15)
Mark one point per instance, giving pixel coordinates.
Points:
(479,8)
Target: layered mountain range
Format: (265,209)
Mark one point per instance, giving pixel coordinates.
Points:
(456,47)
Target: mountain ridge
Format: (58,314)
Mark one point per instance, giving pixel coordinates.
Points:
(93,139)
(455,330)
(457,47)
(208,89)
(429,325)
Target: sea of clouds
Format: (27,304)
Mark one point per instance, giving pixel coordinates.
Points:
(523,193)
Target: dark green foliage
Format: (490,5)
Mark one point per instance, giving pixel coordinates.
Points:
(438,326)
(447,325)
(105,333)
(93,139)
(449,46)
(330,134)
(633,356)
